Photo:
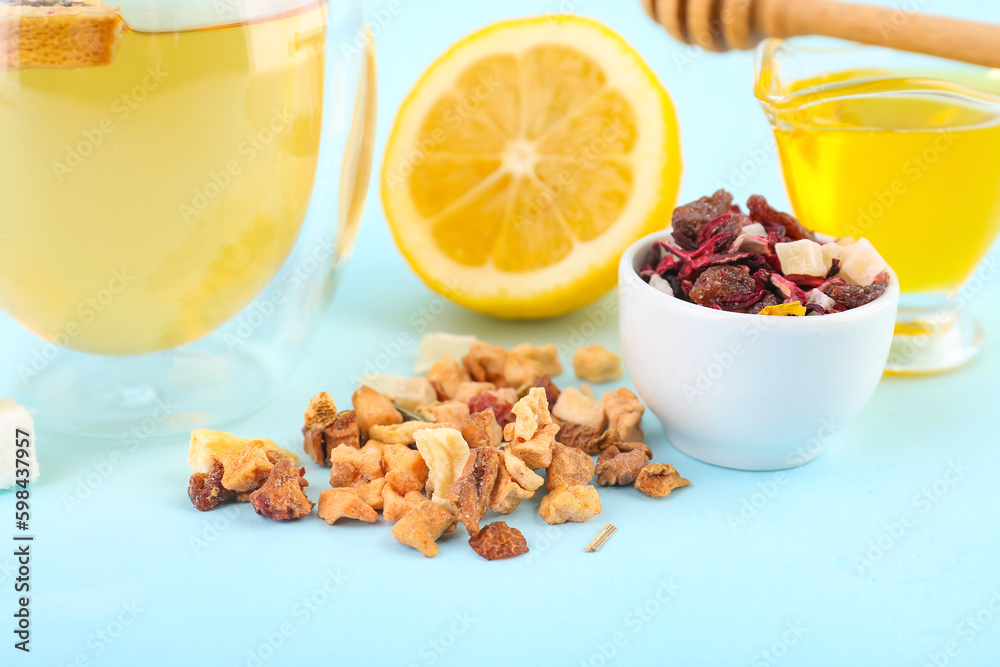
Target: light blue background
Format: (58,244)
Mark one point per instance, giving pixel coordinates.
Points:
(720,572)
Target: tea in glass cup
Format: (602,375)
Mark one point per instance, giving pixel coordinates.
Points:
(169,170)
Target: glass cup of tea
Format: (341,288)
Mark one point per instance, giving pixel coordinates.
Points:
(181,184)
(900,149)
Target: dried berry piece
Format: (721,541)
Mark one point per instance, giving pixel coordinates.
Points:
(687,220)
(471,492)
(617,468)
(281,498)
(497,540)
(422,526)
(205,489)
(853,296)
(659,479)
(720,285)
(762,212)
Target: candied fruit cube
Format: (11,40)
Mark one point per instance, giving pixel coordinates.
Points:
(801,258)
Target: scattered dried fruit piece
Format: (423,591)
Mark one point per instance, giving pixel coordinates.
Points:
(445,453)
(688,220)
(342,504)
(580,436)
(405,469)
(532,434)
(617,468)
(547,354)
(593,363)
(373,409)
(246,469)
(451,413)
(574,503)
(206,444)
(396,506)
(497,540)
(519,472)
(281,498)
(485,363)
(422,526)
(321,411)
(342,431)
(399,434)
(569,467)
(625,410)
(369,493)
(466,391)
(519,371)
(205,489)
(482,430)
(354,467)
(471,491)
(576,407)
(659,479)
(448,375)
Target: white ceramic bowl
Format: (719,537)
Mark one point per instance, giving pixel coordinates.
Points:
(749,391)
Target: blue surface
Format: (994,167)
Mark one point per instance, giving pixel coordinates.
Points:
(884,551)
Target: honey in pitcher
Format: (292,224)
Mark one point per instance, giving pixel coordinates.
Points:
(910,163)
(148,200)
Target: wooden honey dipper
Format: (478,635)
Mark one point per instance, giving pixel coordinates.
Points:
(720,25)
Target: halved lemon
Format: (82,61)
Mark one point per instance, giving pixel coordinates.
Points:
(525,160)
